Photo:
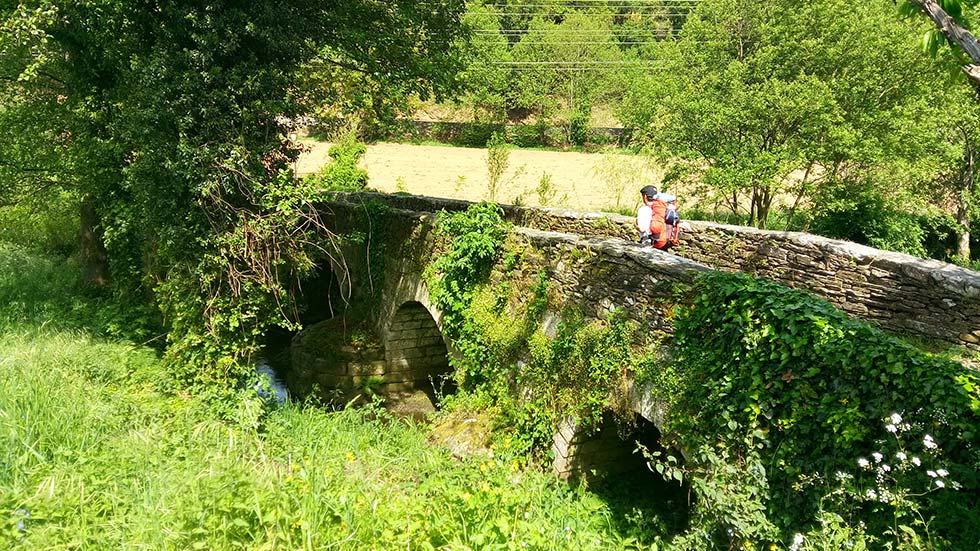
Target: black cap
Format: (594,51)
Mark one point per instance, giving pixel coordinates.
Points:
(650,192)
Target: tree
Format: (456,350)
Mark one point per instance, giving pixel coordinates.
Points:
(169,119)
(952,27)
(562,67)
(752,93)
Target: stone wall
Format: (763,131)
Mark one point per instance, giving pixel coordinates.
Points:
(322,360)
(898,292)
(415,354)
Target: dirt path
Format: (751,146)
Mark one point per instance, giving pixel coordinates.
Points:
(581,181)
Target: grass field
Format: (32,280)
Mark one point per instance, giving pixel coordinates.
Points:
(581,181)
(100,450)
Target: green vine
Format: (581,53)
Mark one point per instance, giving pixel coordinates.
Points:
(493,300)
(779,381)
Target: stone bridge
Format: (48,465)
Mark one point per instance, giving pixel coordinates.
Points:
(594,267)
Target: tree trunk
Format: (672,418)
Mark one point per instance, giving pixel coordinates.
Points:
(765,203)
(963,202)
(799,197)
(955,33)
(93,257)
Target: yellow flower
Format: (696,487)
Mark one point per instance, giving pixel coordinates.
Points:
(349,456)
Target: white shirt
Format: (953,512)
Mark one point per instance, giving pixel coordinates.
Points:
(644,215)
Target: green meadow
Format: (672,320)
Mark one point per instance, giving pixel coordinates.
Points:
(100,450)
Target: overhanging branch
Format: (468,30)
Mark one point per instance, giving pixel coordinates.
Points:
(955,33)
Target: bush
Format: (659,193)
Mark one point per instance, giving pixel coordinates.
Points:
(864,215)
(524,135)
(775,379)
(342,173)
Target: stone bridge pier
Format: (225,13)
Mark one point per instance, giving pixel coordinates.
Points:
(400,351)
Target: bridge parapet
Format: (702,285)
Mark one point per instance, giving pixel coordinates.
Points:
(900,293)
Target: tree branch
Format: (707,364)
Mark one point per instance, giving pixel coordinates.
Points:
(955,33)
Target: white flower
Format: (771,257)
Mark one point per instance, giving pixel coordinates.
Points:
(878,457)
(932,474)
(916,461)
(928,442)
(896,418)
(841,475)
(885,467)
(871,494)
(901,456)
(940,483)
(797,542)
(862,462)
(891,428)
(942,472)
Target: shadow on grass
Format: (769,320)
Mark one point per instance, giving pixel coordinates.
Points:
(47,291)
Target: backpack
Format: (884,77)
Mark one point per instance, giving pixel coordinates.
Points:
(672,217)
(672,228)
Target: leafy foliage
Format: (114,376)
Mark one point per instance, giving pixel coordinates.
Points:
(779,381)
(477,235)
(171,122)
(342,172)
(752,92)
(124,457)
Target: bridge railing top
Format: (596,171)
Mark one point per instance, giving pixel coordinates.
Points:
(601,224)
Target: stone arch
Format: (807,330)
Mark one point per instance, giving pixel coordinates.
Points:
(578,451)
(608,450)
(416,355)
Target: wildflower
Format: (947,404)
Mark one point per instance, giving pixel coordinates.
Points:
(942,472)
(891,428)
(896,418)
(901,456)
(932,474)
(878,457)
(872,495)
(862,462)
(885,467)
(940,484)
(929,442)
(916,461)
(797,542)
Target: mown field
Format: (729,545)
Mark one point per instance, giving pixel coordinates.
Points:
(581,181)
(99,449)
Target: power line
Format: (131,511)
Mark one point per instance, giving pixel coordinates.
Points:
(613,32)
(611,42)
(664,12)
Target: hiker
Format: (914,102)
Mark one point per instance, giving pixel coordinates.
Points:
(657,220)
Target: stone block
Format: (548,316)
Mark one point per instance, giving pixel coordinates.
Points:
(372,368)
(971,338)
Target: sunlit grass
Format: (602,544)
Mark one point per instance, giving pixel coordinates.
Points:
(100,450)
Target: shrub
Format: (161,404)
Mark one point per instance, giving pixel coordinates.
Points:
(863,214)
(342,173)
(779,379)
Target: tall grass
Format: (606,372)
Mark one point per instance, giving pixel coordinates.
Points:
(99,450)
